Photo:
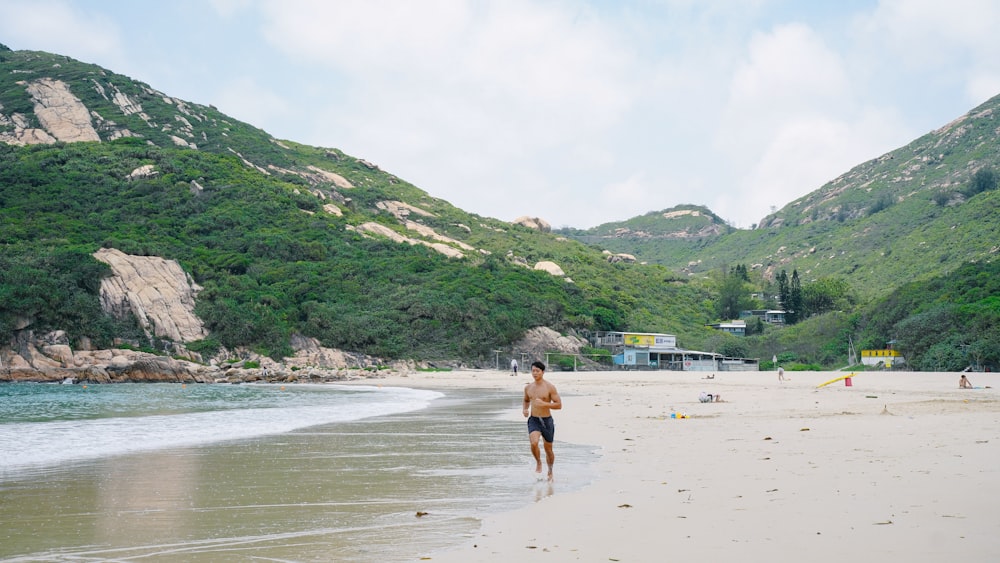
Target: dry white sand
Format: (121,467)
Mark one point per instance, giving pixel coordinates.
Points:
(896,467)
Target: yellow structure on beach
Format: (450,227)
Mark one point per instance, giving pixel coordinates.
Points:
(887,356)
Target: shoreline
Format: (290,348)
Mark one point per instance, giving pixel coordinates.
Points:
(349,490)
(899,465)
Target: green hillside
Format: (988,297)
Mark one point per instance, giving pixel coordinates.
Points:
(249,217)
(915,213)
(288,239)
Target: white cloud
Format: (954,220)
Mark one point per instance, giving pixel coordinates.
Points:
(942,38)
(247,100)
(474,89)
(577,112)
(59,27)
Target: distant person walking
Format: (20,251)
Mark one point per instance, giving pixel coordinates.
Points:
(540,398)
(513,366)
(781,373)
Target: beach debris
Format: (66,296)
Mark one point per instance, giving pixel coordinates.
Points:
(767,438)
(421,513)
(803,430)
(771,491)
(886,523)
(885,410)
(871,396)
(626,505)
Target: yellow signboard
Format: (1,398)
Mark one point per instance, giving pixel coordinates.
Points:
(640,339)
(654,341)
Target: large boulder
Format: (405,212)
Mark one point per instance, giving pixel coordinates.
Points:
(157,292)
(534,223)
(539,340)
(550,267)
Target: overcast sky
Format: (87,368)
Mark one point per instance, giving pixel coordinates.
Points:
(578,112)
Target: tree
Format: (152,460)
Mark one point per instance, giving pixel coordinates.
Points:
(733,296)
(783,293)
(794,299)
(984,180)
(825,295)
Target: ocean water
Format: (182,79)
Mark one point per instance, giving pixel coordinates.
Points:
(170,472)
(42,425)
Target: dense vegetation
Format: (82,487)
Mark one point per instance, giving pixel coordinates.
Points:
(271,265)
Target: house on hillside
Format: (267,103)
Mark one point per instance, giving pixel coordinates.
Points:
(739,328)
(770,316)
(642,350)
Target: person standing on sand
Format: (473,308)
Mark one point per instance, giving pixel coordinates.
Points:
(540,398)
(513,366)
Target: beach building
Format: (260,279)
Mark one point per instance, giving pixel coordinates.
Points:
(643,350)
(739,328)
(888,358)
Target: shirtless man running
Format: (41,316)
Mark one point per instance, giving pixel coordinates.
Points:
(541,397)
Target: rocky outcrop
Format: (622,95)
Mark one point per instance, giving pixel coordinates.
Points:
(48,358)
(620,257)
(47,363)
(156,291)
(59,112)
(16,130)
(534,223)
(550,267)
(540,340)
(382,230)
(401,210)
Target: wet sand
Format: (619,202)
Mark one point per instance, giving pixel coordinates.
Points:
(339,492)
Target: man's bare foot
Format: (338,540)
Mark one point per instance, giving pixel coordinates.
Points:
(538,468)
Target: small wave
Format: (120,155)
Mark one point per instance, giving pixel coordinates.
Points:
(35,444)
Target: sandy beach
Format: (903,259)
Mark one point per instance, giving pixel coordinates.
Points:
(896,467)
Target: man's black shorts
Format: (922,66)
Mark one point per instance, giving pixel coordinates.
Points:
(546,425)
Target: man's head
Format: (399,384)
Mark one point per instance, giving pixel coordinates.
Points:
(537,369)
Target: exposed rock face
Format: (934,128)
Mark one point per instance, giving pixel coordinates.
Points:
(550,267)
(402,210)
(22,133)
(539,340)
(61,113)
(379,229)
(534,223)
(144,171)
(40,362)
(157,291)
(335,179)
(620,257)
(308,352)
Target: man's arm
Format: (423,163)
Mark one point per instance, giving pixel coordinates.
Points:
(555,401)
(527,401)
